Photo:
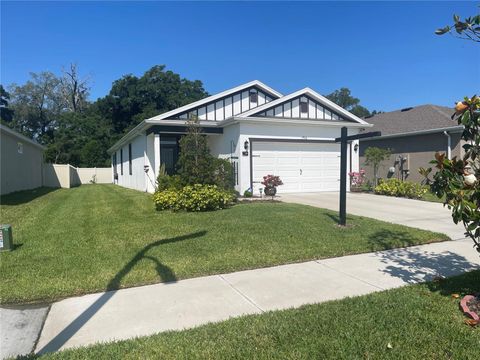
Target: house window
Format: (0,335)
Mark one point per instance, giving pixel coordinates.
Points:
(253,97)
(121,161)
(130,159)
(303,106)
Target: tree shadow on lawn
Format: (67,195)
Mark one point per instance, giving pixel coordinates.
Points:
(165,273)
(25,196)
(390,239)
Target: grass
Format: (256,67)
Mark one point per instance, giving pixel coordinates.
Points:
(429,196)
(419,322)
(98,237)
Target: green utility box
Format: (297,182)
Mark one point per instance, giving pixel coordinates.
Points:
(6,237)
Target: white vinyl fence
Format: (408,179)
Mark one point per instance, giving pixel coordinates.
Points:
(67,176)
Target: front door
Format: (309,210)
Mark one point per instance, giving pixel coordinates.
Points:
(169,150)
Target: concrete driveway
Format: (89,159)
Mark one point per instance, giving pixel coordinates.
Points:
(414,213)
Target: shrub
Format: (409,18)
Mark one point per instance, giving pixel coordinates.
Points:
(193,198)
(223,174)
(396,187)
(248,193)
(166,199)
(169,182)
(197,166)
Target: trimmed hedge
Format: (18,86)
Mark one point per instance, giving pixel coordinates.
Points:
(193,198)
(396,187)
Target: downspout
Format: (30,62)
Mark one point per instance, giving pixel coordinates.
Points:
(449,144)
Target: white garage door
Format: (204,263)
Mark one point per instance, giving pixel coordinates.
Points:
(303,167)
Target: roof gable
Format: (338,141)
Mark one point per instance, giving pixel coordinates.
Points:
(314,107)
(225,104)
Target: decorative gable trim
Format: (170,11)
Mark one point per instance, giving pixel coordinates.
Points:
(315,106)
(216,107)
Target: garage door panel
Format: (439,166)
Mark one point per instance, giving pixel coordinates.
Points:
(303,167)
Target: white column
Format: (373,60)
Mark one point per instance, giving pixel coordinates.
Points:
(156,161)
(149,156)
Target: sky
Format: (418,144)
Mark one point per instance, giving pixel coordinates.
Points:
(385,52)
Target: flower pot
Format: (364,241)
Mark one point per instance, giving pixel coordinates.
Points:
(270,190)
(355,189)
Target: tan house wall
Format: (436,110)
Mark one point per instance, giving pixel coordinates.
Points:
(21,163)
(419,150)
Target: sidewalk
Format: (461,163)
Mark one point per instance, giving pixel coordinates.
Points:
(187,303)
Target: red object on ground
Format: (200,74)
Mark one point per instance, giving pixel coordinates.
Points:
(466,310)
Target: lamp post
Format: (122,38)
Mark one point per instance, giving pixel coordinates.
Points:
(343,140)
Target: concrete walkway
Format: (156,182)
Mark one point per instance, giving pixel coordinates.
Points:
(19,329)
(184,304)
(414,213)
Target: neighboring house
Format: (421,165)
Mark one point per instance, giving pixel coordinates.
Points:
(21,162)
(258,129)
(414,135)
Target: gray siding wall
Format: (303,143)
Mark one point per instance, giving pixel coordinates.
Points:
(19,171)
(419,149)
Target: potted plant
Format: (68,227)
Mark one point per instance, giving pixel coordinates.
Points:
(357,180)
(271,182)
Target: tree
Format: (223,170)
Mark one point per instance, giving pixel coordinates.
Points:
(36,106)
(55,110)
(6,113)
(344,99)
(458,179)
(80,139)
(134,99)
(374,156)
(195,163)
(468,29)
(74,89)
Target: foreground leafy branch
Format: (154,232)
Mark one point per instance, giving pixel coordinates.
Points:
(458,179)
(468,29)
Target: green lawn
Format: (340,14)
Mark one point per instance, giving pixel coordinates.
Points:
(432,197)
(419,322)
(96,237)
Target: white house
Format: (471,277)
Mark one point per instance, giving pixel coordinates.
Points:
(254,126)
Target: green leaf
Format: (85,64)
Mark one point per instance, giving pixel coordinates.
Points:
(443,30)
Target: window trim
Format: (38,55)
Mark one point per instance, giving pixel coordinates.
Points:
(130,172)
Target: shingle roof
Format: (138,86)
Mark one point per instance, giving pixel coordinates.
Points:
(423,117)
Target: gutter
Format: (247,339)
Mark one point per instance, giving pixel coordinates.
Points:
(450,129)
(449,144)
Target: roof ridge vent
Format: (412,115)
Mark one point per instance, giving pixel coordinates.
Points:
(406,109)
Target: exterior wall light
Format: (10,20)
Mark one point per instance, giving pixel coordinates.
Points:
(355,147)
(245,146)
